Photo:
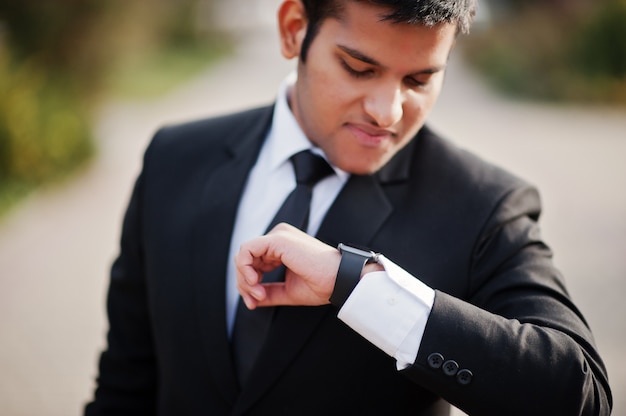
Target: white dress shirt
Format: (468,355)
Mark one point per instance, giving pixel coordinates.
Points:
(389,308)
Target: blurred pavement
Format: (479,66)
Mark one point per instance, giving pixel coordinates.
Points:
(55,251)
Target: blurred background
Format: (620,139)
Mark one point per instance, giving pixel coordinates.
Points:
(538,87)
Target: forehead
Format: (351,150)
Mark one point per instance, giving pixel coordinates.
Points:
(363,27)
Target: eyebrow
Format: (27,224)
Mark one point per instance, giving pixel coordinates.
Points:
(368,60)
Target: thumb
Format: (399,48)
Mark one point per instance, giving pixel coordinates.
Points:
(275,295)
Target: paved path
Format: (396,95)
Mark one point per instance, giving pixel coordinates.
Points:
(56,250)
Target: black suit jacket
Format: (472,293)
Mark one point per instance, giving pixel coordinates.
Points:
(464,227)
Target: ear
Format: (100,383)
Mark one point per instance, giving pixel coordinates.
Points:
(292,25)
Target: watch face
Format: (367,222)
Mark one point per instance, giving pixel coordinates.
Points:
(357,251)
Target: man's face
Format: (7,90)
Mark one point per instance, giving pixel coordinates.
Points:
(367,85)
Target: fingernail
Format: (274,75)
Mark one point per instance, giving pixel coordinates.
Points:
(248,303)
(257,292)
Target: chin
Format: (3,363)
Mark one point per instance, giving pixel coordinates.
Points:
(359,164)
(363,170)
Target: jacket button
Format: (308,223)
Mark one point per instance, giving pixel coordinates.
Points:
(464,377)
(450,368)
(435,360)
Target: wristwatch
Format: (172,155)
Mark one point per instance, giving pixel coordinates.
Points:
(352,262)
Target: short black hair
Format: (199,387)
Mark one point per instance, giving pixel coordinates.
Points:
(424,12)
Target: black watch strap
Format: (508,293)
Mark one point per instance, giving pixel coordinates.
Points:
(349,273)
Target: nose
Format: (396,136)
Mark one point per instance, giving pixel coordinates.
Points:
(384,105)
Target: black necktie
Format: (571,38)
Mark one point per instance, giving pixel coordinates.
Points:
(251,327)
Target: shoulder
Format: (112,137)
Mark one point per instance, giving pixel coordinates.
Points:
(462,184)
(214,131)
(185,148)
(453,168)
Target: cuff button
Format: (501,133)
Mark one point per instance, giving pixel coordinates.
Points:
(450,368)
(435,360)
(464,377)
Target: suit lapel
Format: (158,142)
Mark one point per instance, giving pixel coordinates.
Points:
(362,207)
(220,199)
(359,211)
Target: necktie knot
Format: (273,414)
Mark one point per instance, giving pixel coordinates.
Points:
(310,168)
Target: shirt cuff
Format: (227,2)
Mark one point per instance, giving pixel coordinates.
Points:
(390,309)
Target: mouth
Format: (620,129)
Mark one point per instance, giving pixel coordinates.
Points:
(368,135)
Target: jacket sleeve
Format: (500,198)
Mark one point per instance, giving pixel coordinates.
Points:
(516,345)
(127,371)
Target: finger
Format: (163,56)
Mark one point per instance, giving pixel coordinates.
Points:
(248,269)
(250,302)
(252,264)
(250,293)
(255,291)
(258,249)
(275,295)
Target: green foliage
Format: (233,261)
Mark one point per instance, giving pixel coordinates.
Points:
(64,39)
(599,47)
(155,73)
(53,56)
(558,51)
(56,60)
(44,132)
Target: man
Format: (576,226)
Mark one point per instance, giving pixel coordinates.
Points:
(463,306)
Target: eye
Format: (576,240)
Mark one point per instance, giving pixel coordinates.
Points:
(413,82)
(355,73)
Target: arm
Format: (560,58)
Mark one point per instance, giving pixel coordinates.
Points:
(127,370)
(527,346)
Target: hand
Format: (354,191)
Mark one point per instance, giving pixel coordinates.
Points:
(311,269)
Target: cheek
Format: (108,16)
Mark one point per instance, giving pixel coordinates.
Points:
(334,95)
(414,111)
(419,106)
(332,91)
(431,98)
(332,109)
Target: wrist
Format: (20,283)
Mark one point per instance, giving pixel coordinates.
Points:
(351,269)
(371,267)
